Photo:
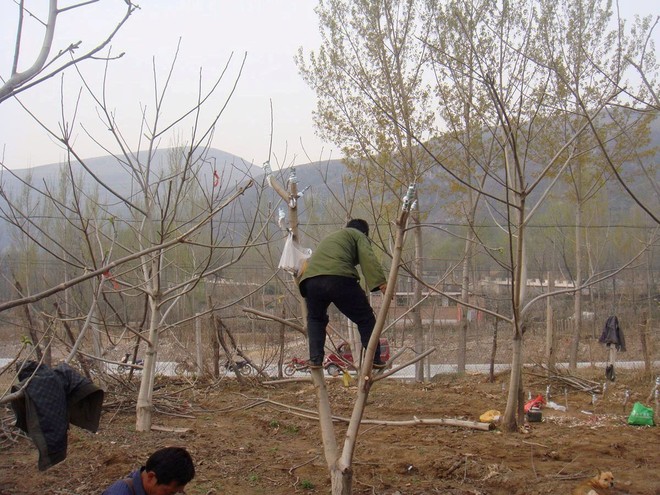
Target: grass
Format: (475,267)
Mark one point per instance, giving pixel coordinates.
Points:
(292,429)
(307,485)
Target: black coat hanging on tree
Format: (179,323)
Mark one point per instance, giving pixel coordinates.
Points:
(612,336)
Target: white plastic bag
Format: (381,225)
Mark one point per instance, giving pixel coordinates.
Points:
(293,256)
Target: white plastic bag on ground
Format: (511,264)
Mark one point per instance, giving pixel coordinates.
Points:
(293,256)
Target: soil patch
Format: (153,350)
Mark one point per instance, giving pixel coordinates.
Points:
(244,445)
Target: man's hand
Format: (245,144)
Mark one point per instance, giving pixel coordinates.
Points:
(383,287)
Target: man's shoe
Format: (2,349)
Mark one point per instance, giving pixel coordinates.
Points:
(313,365)
(379,365)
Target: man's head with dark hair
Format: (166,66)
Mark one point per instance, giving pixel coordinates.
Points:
(359,224)
(167,471)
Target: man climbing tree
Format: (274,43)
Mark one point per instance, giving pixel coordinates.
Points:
(331,276)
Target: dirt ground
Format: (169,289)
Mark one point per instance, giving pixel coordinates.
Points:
(245,440)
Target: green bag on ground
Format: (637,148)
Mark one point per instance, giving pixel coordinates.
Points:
(641,415)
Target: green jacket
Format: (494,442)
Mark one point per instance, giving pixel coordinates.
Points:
(340,253)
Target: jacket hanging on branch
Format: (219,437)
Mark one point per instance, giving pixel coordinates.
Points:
(53,399)
(294,256)
(612,336)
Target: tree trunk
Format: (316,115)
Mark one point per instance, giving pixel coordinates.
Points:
(342,481)
(96,335)
(48,348)
(465,277)
(549,328)
(30,324)
(463,330)
(280,360)
(355,342)
(215,344)
(198,346)
(510,419)
(518,295)
(417,297)
(144,407)
(72,340)
(579,241)
(493,352)
(644,332)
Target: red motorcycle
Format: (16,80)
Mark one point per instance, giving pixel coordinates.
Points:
(337,362)
(296,364)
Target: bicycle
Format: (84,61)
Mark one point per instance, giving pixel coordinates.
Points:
(296,364)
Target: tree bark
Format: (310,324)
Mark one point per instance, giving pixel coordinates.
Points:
(144,406)
(30,324)
(550,328)
(342,481)
(493,352)
(644,332)
(418,331)
(509,420)
(577,301)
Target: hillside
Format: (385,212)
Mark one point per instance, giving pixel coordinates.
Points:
(325,191)
(117,176)
(110,171)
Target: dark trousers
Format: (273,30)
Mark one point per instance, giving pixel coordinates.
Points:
(349,298)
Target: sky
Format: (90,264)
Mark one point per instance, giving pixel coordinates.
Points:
(269,33)
(213,35)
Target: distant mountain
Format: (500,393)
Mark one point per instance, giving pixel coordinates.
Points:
(321,177)
(110,171)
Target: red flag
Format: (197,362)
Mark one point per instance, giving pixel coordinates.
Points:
(216,179)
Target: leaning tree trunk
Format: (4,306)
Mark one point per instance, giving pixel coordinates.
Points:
(340,463)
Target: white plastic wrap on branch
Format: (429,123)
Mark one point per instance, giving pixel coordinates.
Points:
(294,256)
(409,201)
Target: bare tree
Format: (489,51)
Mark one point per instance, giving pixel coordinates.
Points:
(159,239)
(340,461)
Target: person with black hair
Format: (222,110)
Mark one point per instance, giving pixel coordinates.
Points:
(331,276)
(167,472)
